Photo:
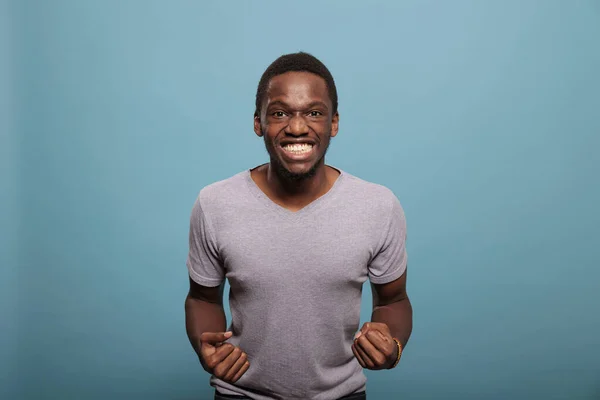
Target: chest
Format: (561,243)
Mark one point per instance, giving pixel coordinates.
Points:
(322,254)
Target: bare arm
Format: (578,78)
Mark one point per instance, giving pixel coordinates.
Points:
(203,312)
(391,318)
(205,324)
(391,306)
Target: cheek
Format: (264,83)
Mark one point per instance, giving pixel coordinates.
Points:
(273,129)
(269,134)
(323,129)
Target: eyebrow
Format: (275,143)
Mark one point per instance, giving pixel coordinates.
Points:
(313,104)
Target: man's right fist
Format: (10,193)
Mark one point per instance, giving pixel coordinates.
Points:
(223,360)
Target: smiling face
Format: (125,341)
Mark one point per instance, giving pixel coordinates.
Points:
(297,123)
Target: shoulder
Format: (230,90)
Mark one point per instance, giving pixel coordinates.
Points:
(374,196)
(218,194)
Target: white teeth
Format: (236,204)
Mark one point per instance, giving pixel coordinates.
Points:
(298,148)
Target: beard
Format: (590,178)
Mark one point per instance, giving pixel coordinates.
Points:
(285,173)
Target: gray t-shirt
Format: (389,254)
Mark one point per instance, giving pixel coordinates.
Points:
(296,279)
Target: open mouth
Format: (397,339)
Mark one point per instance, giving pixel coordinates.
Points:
(298,149)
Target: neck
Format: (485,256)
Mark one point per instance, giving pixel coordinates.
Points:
(298,191)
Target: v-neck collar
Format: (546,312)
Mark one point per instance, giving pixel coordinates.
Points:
(267,202)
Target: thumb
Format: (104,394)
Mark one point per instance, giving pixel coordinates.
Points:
(214,337)
(362,330)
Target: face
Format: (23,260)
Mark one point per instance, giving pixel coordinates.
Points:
(297,123)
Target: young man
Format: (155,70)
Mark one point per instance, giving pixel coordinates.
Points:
(296,239)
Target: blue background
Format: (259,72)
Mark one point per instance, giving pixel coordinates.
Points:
(482,116)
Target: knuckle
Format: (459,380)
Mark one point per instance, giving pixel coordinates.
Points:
(219,371)
(210,362)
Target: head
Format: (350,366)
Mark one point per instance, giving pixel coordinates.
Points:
(296,114)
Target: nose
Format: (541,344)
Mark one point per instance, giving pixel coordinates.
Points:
(297,126)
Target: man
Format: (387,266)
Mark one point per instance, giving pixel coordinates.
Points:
(296,239)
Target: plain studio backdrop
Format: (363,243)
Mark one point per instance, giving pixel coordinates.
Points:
(482,116)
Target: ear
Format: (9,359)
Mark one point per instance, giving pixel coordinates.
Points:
(257,129)
(335,124)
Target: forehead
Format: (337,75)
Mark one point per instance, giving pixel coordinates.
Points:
(297,87)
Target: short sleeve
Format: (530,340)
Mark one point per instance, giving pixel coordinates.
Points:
(390,258)
(203,261)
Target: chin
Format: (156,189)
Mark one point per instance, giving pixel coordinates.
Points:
(294,174)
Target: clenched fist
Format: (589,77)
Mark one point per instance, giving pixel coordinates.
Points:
(223,360)
(374,347)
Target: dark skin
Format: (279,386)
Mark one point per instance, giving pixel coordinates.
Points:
(205,325)
(296,110)
(373,346)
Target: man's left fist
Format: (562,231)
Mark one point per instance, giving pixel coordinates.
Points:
(374,347)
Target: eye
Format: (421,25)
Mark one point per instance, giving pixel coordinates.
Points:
(315,113)
(278,114)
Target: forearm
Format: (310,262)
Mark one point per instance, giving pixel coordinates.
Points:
(202,316)
(398,317)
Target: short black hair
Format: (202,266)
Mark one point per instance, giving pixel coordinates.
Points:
(300,62)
